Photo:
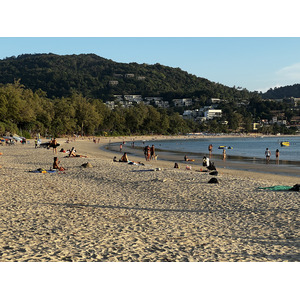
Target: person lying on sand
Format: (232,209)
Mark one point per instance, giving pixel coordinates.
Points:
(124,158)
(73,153)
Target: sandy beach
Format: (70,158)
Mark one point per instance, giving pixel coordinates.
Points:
(119,212)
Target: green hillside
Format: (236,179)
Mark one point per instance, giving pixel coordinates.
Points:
(283,92)
(89,74)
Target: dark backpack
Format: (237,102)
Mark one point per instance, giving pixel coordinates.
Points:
(296,188)
(213,180)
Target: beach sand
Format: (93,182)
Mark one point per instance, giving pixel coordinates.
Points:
(120,212)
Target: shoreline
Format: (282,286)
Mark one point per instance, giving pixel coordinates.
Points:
(120,212)
(254,168)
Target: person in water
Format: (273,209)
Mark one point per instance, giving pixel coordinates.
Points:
(187,159)
(224,153)
(210,148)
(277,155)
(268,154)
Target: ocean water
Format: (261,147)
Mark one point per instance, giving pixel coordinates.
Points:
(243,148)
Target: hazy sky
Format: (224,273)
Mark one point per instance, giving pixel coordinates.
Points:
(251,63)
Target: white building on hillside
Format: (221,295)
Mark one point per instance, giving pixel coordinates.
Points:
(210,114)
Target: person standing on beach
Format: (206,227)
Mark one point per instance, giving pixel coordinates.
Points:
(121,147)
(268,154)
(54,145)
(152,152)
(148,153)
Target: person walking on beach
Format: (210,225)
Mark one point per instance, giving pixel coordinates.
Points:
(121,147)
(268,154)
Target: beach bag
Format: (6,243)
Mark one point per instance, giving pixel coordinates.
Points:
(213,180)
(87,165)
(296,188)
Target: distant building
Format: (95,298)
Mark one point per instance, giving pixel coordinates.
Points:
(255,126)
(183,102)
(113,82)
(118,97)
(133,98)
(210,114)
(110,104)
(153,98)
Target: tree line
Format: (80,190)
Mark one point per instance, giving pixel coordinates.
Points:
(25,112)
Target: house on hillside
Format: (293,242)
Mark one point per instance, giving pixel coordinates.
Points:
(133,98)
(211,113)
(295,122)
(202,114)
(113,82)
(183,102)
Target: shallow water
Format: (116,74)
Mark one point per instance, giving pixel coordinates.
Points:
(241,147)
(246,153)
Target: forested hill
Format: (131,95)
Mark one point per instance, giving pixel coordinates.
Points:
(283,92)
(100,78)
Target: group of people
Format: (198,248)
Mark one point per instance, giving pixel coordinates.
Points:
(149,152)
(268,155)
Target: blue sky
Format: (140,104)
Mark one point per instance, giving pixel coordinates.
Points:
(250,44)
(247,62)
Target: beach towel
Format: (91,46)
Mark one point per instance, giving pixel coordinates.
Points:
(41,170)
(277,188)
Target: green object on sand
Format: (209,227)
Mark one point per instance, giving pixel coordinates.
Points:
(277,188)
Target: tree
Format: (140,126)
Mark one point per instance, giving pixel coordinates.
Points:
(86,115)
